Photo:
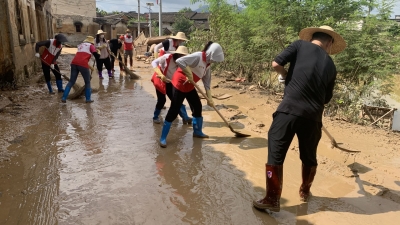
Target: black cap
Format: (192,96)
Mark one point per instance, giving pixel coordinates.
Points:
(61,38)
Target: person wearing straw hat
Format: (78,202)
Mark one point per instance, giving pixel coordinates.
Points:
(309,84)
(49,59)
(170,44)
(80,64)
(192,68)
(104,51)
(165,67)
(128,47)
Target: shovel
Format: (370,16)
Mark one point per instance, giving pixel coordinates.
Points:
(237,134)
(335,144)
(132,75)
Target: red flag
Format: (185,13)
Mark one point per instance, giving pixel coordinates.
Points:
(157,2)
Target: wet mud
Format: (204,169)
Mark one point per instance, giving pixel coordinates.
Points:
(101,163)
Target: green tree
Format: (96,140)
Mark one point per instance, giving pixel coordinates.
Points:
(182,24)
(101,12)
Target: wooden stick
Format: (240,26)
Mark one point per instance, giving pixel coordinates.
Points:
(381,117)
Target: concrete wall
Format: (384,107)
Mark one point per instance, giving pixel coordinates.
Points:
(85,8)
(25,23)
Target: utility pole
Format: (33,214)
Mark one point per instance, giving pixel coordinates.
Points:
(138,17)
(150,4)
(160,21)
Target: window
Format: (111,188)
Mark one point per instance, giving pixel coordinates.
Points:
(78,28)
(30,25)
(18,17)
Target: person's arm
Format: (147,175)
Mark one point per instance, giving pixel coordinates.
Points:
(286,56)
(186,62)
(40,44)
(207,86)
(94,52)
(160,62)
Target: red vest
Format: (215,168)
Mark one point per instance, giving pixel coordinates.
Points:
(83,55)
(50,53)
(158,83)
(179,78)
(128,42)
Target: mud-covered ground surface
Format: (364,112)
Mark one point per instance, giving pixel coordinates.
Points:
(100,163)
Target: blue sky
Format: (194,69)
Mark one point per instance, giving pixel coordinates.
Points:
(167,5)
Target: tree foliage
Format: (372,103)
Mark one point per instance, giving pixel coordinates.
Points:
(251,38)
(182,23)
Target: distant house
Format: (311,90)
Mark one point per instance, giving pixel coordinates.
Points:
(113,25)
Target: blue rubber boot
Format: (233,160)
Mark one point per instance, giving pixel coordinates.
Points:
(59,86)
(88,93)
(164,134)
(185,118)
(65,95)
(50,88)
(156,118)
(197,127)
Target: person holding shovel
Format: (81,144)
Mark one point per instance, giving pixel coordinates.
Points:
(165,67)
(115,45)
(170,44)
(128,47)
(192,68)
(104,49)
(80,64)
(49,59)
(309,84)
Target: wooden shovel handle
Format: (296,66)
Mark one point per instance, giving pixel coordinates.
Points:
(205,96)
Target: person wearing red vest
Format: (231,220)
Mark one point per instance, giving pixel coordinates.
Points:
(80,64)
(170,44)
(49,59)
(128,47)
(191,68)
(165,68)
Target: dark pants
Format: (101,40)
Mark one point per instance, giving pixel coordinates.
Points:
(113,59)
(74,75)
(106,62)
(280,135)
(46,71)
(176,102)
(161,99)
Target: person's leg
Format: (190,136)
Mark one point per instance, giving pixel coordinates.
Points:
(86,77)
(46,73)
(309,135)
(99,63)
(176,102)
(280,135)
(126,58)
(182,112)
(131,59)
(107,64)
(57,74)
(160,104)
(72,80)
(194,100)
(112,62)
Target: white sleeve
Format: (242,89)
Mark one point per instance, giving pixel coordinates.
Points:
(191,60)
(207,79)
(157,48)
(160,61)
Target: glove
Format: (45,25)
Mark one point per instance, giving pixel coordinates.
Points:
(188,73)
(37,55)
(161,75)
(91,68)
(281,78)
(52,66)
(210,101)
(155,55)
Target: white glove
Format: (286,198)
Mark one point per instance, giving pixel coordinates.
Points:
(52,66)
(281,78)
(37,55)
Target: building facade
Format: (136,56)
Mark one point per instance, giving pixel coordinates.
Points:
(23,23)
(74,18)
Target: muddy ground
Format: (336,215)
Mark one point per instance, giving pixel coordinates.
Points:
(100,163)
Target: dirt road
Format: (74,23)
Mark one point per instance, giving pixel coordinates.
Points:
(100,163)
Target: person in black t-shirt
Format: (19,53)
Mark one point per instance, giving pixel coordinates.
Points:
(115,44)
(309,84)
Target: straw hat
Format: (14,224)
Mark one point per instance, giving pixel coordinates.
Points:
(128,31)
(100,32)
(338,44)
(179,36)
(89,39)
(181,50)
